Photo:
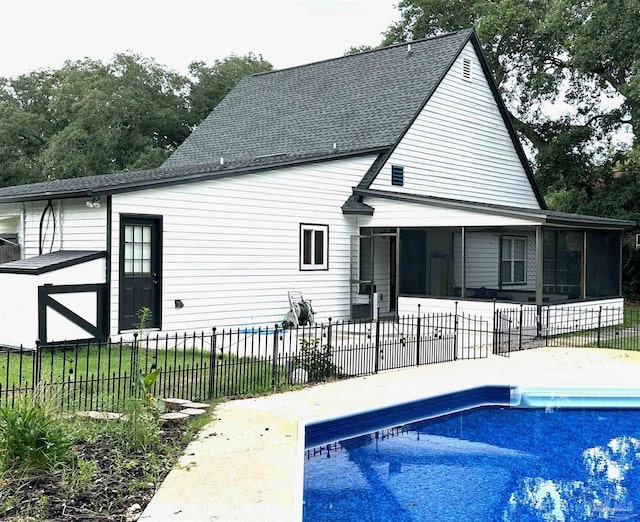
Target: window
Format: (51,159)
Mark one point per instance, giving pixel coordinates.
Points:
(513,262)
(314,251)
(137,250)
(397,175)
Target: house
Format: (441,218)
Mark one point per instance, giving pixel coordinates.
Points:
(376,181)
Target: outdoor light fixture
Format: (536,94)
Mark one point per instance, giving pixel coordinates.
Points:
(94,202)
(179,304)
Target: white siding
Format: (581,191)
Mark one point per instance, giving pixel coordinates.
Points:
(459,147)
(73,226)
(231,246)
(390,213)
(482,259)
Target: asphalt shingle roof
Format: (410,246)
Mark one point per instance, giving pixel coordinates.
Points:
(360,103)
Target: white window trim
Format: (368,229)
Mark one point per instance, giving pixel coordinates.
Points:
(512,260)
(314,228)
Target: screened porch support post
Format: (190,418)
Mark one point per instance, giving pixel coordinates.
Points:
(583,279)
(463,286)
(620,268)
(539,264)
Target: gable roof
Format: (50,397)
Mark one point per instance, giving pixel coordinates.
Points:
(356,104)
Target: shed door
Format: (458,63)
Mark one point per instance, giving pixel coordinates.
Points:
(140,270)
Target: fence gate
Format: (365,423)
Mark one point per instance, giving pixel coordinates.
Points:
(68,312)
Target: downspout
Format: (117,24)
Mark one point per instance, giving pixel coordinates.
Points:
(24,230)
(60,221)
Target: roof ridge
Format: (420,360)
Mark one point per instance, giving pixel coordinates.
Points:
(468,30)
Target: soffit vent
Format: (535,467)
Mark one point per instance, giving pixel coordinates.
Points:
(466,69)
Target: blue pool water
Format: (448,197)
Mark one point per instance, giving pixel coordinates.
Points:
(492,463)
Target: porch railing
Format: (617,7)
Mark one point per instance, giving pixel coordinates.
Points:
(530,327)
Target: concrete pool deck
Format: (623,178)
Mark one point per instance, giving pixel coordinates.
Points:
(247,464)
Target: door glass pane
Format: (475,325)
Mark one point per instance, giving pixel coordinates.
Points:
(128,267)
(146,251)
(137,266)
(137,234)
(146,234)
(137,251)
(146,267)
(128,233)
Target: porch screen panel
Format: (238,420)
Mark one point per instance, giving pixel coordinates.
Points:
(603,263)
(413,262)
(563,263)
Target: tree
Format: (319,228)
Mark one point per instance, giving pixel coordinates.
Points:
(583,54)
(213,83)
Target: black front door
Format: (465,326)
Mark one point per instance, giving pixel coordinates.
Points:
(140,270)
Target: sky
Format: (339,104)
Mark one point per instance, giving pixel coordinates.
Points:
(37,34)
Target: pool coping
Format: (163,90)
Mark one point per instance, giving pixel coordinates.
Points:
(248,464)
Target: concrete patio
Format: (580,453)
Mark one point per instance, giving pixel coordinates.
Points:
(247,464)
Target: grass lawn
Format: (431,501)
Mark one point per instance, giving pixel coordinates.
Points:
(99,377)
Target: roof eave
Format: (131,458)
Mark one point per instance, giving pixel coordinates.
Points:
(200,175)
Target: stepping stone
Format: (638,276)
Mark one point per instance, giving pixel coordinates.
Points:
(197,405)
(174,417)
(193,411)
(100,415)
(175,404)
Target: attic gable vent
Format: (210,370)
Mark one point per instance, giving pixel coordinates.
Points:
(397,175)
(466,69)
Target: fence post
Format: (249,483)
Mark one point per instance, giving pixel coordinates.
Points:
(212,363)
(495,328)
(377,350)
(329,334)
(38,365)
(599,324)
(418,338)
(455,332)
(274,365)
(520,333)
(134,361)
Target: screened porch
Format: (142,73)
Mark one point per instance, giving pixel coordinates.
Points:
(513,264)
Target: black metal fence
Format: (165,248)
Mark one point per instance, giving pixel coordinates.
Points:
(529,326)
(234,362)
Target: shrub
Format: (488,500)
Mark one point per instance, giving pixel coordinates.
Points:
(315,359)
(32,439)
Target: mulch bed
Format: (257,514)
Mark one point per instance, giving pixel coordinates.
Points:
(111,497)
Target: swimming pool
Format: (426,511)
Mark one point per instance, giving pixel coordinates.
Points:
(491,453)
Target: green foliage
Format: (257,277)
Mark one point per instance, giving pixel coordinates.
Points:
(316,360)
(144,316)
(91,117)
(32,439)
(139,430)
(214,82)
